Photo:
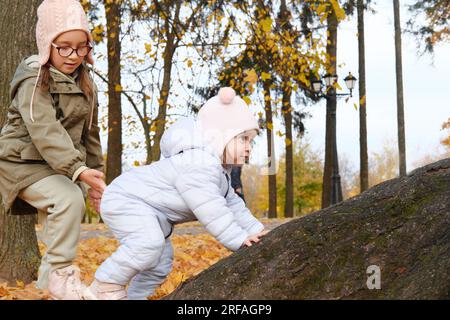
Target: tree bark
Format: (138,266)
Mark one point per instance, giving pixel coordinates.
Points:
(270,153)
(363,157)
(114,154)
(401,226)
(399,79)
(160,120)
(169,51)
(289,183)
(19,254)
(286,110)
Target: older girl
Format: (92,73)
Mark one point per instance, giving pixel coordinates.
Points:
(50,142)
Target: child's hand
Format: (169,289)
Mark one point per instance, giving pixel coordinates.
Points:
(254,238)
(95,198)
(94,179)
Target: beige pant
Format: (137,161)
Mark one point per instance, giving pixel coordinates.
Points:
(61,206)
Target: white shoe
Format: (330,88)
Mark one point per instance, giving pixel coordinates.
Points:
(64,284)
(105,291)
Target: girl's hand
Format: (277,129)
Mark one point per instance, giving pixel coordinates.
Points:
(95,198)
(254,238)
(94,179)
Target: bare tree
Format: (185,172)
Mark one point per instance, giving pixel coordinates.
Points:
(363,157)
(399,79)
(114,153)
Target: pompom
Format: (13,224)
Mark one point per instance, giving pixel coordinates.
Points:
(226,95)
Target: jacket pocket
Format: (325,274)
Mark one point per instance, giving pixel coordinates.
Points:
(30,153)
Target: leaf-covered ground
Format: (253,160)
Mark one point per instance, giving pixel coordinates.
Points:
(194,251)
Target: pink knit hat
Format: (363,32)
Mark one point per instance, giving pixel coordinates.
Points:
(56,17)
(223,117)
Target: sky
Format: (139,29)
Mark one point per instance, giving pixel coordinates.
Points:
(426,95)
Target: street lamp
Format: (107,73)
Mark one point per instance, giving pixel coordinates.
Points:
(350,82)
(330,80)
(331,96)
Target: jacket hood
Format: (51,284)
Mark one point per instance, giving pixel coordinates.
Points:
(26,69)
(29,68)
(183,135)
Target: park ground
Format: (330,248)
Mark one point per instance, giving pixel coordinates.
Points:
(195,250)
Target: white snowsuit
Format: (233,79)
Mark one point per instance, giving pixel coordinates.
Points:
(142,205)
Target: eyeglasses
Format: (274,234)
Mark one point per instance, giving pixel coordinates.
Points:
(67,51)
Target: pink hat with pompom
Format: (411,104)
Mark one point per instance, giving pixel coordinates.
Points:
(223,117)
(56,17)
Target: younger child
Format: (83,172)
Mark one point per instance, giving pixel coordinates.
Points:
(192,182)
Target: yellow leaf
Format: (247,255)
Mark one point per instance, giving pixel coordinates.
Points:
(266,24)
(362,100)
(340,13)
(251,77)
(189,63)
(97,33)
(118,88)
(148,48)
(247,100)
(265,76)
(303,79)
(288,141)
(270,125)
(321,8)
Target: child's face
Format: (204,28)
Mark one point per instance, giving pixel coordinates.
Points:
(74,39)
(237,151)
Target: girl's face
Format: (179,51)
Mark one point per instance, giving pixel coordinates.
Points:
(237,151)
(74,39)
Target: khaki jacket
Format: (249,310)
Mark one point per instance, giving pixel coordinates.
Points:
(58,141)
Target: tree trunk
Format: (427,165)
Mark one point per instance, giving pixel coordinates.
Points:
(160,120)
(286,110)
(114,153)
(401,226)
(330,131)
(399,78)
(272,175)
(363,157)
(169,51)
(19,254)
(289,183)
(148,143)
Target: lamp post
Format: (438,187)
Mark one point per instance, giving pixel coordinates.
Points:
(330,94)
